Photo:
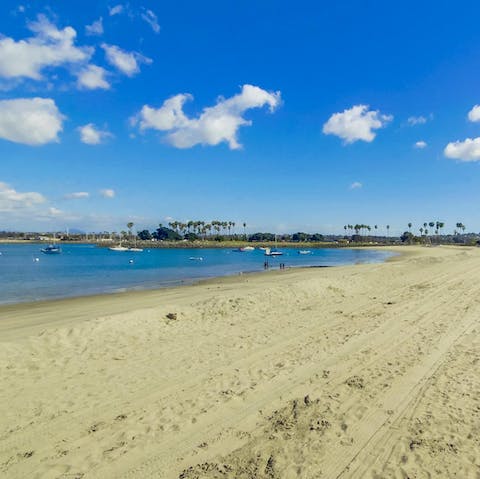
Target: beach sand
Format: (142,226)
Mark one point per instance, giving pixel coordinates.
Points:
(365,371)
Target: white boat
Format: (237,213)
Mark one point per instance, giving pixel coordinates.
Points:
(304,251)
(135,250)
(274,252)
(269,252)
(195,258)
(118,248)
(51,249)
(245,249)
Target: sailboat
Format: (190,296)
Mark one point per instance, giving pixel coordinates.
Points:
(52,248)
(274,252)
(118,248)
(269,252)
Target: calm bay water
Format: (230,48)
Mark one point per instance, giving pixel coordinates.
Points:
(28,275)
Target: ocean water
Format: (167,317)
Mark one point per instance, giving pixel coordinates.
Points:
(26,274)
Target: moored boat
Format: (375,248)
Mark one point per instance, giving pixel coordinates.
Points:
(244,249)
(51,249)
(118,248)
(269,252)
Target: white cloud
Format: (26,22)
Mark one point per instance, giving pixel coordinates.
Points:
(48,47)
(420,144)
(78,195)
(107,193)
(417,120)
(93,77)
(468,150)
(356,123)
(12,201)
(52,211)
(96,28)
(91,135)
(126,62)
(474,113)
(116,10)
(151,19)
(216,124)
(356,185)
(32,121)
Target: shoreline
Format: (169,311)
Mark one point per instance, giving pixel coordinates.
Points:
(312,372)
(77,308)
(187,282)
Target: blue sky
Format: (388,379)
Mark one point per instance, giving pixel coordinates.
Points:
(289,116)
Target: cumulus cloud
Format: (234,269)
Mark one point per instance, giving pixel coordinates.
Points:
(93,77)
(126,62)
(107,193)
(216,124)
(416,120)
(91,135)
(467,150)
(151,19)
(32,121)
(78,195)
(356,185)
(420,144)
(116,10)
(96,28)
(49,47)
(356,123)
(474,113)
(12,200)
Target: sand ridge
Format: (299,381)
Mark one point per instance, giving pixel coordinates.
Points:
(359,371)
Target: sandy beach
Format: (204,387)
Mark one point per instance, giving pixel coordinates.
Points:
(365,371)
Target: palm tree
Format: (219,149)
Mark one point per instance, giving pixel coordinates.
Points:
(216,226)
(130,226)
(388,229)
(409,226)
(461,226)
(245,230)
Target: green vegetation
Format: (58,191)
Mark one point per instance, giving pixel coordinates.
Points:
(216,233)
